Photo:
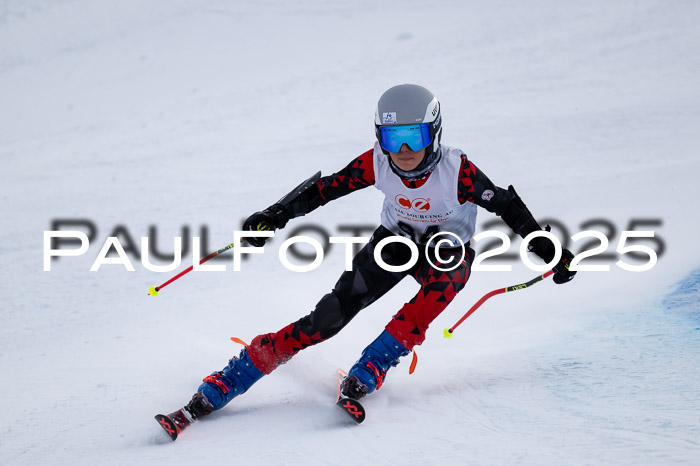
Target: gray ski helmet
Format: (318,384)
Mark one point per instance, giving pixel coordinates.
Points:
(410,104)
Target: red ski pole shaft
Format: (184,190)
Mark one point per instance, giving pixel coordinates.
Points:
(449,331)
(286,200)
(153,291)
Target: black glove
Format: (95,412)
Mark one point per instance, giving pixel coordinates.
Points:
(270,219)
(545,249)
(562,274)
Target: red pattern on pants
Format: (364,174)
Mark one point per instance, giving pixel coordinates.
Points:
(438,289)
(360,287)
(270,350)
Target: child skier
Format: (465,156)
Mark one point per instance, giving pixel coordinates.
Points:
(429,188)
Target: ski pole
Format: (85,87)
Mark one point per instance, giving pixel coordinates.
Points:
(153,291)
(286,200)
(449,331)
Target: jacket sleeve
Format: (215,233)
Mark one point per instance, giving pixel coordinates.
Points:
(356,175)
(474,186)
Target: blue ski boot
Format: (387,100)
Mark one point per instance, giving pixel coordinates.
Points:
(370,370)
(221,387)
(217,390)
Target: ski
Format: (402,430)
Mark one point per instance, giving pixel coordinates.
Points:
(350,406)
(174,423)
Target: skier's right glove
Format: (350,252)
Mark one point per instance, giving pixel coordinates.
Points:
(270,219)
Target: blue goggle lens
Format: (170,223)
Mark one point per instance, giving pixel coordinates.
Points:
(416,136)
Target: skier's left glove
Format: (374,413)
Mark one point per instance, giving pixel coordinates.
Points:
(545,249)
(562,274)
(270,219)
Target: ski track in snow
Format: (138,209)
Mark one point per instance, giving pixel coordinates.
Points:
(191,113)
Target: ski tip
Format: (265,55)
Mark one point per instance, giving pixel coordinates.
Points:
(153,291)
(352,408)
(168,425)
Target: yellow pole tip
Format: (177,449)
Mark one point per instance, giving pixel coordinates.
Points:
(447,333)
(152,291)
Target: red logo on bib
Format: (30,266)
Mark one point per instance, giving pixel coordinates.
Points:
(419,204)
(403,201)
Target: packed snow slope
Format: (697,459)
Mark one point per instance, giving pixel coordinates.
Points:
(146,115)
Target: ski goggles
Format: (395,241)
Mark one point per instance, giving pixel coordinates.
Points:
(417,137)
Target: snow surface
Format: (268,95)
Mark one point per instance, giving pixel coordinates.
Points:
(140,113)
